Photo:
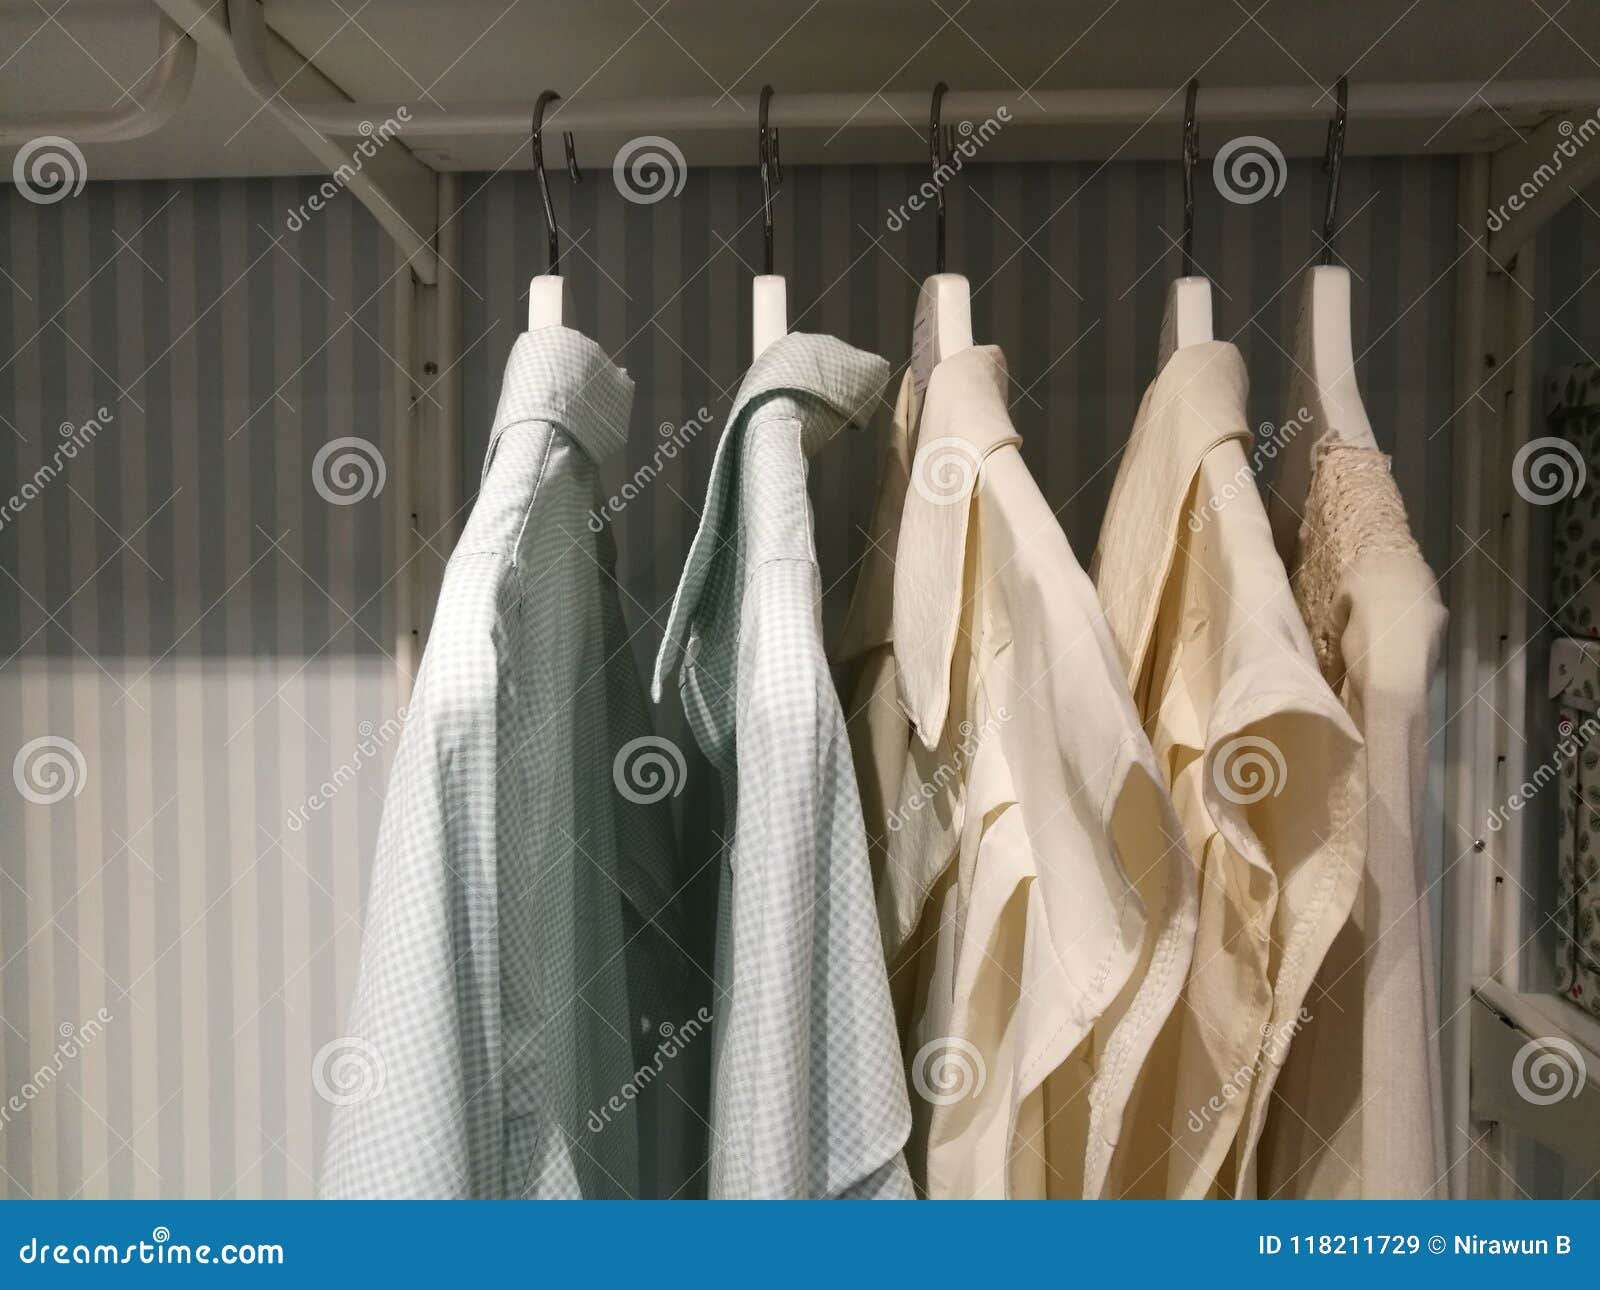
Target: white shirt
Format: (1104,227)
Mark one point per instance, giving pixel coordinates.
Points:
(1030,868)
(1360,1106)
(1265,767)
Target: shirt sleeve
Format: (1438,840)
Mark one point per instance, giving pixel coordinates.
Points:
(810,1097)
(412,1116)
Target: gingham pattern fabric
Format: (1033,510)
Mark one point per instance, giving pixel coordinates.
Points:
(808,1098)
(498,995)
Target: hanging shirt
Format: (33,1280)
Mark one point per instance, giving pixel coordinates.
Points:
(1017,814)
(514,886)
(1264,765)
(808,1098)
(1359,1111)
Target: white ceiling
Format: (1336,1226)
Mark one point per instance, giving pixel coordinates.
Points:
(85,53)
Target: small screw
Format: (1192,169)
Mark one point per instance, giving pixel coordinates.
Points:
(1478,844)
(430,369)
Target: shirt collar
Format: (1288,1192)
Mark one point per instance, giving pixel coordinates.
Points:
(560,376)
(820,381)
(1196,402)
(964,420)
(868,624)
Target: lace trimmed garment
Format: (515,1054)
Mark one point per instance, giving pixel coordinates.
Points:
(1359,1105)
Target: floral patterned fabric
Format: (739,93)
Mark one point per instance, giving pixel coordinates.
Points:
(1572,414)
(1572,451)
(1575,685)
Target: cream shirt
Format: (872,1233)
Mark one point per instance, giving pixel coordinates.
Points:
(1035,897)
(1265,767)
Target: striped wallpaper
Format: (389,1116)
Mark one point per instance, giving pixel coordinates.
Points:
(1566,325)
(184,605)
(209,633)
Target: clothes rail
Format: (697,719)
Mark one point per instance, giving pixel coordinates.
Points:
(146,111)
(250,38)
(1308,102)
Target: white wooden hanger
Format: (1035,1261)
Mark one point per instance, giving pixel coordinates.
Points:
(547,293)
(1322,379)
(769,293)
(769,311)
(943,323)
(1187,320)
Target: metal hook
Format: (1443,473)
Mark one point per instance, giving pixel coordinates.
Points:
(1191,154)
(537,132)
(771,173)
(937,154)
(1332,164)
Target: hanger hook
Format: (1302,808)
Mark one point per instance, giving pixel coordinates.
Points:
(936,158)
(1333,163)
(537,133)
(771,172)
(1191,154)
